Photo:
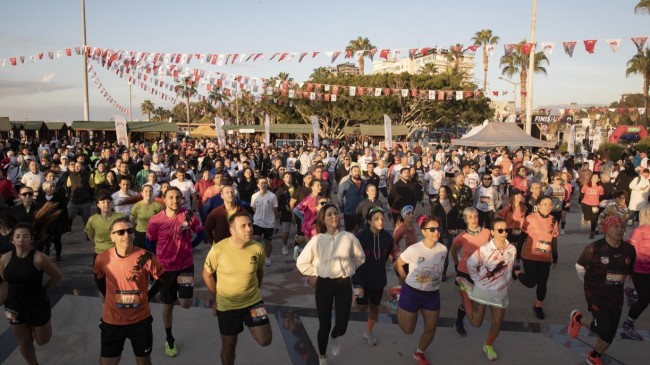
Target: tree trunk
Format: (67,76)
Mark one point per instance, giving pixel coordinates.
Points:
(523,77)
(485,69)
(361,65)
(149,116)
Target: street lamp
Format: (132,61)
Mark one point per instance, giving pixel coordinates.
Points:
(514,95)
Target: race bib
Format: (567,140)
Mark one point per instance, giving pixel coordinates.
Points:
(11,314)
(615,279)
(127,299)
(542,246)
(485,200)
(358,291)
(259,313)
(185,279)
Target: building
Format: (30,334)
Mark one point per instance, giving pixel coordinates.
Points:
(343,69)
(413,65)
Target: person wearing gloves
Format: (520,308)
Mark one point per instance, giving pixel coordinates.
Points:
(330,259)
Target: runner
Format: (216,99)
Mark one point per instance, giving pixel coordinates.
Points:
(169,235)
(233,274)
(420,291)
(124,273)
(265,205)
(487,200)
(603,267)
(142,212)
(490,267)
(369,280)
(330,259)
(216,224)
(27,305)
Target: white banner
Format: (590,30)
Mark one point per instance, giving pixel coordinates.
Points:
(218,124)
(314,126)
(388,132)
(267,130)
(572,140)
(596,140)
(120,130)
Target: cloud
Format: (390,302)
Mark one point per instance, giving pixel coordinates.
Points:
(48,78)
(13,88)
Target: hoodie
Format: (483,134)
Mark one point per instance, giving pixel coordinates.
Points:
(377,248)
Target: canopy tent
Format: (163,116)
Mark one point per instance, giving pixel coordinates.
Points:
(476,129)
(497,134)
(204,131)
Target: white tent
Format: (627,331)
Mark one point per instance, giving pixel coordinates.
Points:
(476,129)
(497,134)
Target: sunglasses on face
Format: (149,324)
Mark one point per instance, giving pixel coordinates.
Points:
(121,232)
(434,229)
(501,230)
(322,203)
(27,194)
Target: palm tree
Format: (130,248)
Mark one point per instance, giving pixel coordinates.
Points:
(360,44)
(428,69)
(454,57)
(517,63)
(639,64)
(186,89)
(642,7)
(159,113)
(284,76)
(147,108)
(216,96)
(485,38)
(320,73)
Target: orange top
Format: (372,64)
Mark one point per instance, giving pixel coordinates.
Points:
(468,244)
(541,232)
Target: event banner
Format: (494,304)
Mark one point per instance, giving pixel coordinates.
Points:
(314,126)
(388,131)
(120,130)
(267,130)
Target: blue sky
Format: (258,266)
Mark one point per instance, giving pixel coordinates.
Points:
(52,90)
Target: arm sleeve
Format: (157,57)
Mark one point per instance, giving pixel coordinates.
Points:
(357,255)
(305,260)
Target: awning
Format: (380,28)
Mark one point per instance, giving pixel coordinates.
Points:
(377,130)
(204,131)
(273,128)
(28,125)
(54,126)
(140,127)
(5,125)
(497,134)
(80,125)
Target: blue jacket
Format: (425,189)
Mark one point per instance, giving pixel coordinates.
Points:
(349,196)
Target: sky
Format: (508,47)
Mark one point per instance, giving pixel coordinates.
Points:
(53,89)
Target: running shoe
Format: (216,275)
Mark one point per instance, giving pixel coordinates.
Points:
(489,352)
(336,348)
(322,360)
(296,252)
(459,327)
(267,261)
(285,250)
(171,351)
(463,285)
(631,296)
(391,305)
(631,332)
(370,337)
(422,360)
(539,312)
(593,360)
(562,233)
(574,324)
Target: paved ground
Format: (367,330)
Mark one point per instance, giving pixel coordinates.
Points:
(524,339)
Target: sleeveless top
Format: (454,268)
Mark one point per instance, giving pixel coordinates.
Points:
(25,281)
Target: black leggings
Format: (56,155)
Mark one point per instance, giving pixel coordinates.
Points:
(517,240)
(328,292)
(589,214)
(642,286)
(605,323)
(485,218)
(536,273)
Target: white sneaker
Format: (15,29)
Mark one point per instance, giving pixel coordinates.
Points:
(370,337)
(267,261)
(322,360)
(296,252)
(285,250)
(562,233)
(336,348)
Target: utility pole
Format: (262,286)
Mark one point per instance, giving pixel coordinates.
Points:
(531,72)
(130,103)
(84,62)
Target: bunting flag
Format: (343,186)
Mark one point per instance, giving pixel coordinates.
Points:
(614,44)
(302,55)
(590,44)
(490,49)
(526,48)
(335,56)
(547,48)
(472,48)
(639,42)
(384,54)
(509,48)
(569,47)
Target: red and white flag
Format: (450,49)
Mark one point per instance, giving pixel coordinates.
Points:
(384,54)
(614,44)
(569,47)
(526,48)
(12,60)
(639,42)
(590,44)
(547,48)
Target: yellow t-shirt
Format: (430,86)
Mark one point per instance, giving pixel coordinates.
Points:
(97,228)
(237,285)
(143,212)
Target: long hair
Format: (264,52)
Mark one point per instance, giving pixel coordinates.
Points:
(320,218)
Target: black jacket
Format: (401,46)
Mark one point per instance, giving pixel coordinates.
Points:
(404,193)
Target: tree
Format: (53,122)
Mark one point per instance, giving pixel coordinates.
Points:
(161,114)
(642,7)
(639,64)
(147,108)
(428,69)
(364,46)
(454,57)
(517,63)
(320,73)
(485,38)
(186,89)
(217,97)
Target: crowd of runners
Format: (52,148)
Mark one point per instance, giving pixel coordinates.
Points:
(495,215)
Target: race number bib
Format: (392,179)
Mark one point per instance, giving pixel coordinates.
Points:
(542,247)
(259,313)
(615,279)
(127,299)
(185,279)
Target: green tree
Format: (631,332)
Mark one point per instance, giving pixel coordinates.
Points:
(161,114)
(517,63)
(186,89)
(320,74)
(485,38)
(428,69)
(147,108)
(642,7)
(217,97)
(363,45)
(454,57)
(639,64)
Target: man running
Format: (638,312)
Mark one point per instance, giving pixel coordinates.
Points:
(169,235)
(238,263)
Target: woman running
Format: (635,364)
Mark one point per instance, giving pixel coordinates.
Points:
(141,212)
(592,193)
(514,214)
(27,305)
(420,291)
(444,207)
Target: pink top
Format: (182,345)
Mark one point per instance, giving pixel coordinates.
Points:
(408,235)
(520,183)
(468,244)
(174,239)
(640,239)
(308,209)
(592,195)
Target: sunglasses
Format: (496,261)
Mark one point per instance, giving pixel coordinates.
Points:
(27,194)
(487,179)
(501,230)
(121,232)
(322,203)
(434,229)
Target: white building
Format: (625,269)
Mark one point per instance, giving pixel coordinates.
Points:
(413,65)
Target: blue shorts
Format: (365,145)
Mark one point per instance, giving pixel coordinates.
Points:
(412,300)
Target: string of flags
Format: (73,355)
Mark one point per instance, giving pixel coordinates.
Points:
(40,56)
(104,92)
(602,110)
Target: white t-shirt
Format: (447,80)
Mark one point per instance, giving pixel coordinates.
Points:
(425,265)
(434,179)
(118,197)
(264,206)
(291,164)
(381,172)
(187,188)
(363,162)
(33,180)
(472,180)
(491,271)
(485,203)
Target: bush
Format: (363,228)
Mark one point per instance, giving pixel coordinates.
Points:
(643,145)
(614,150)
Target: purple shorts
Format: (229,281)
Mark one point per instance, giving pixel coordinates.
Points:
(412,300)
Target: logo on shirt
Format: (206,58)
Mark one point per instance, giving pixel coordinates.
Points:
(604,260)
(253,260)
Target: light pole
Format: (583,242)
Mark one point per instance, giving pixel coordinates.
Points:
(84,61)
(531,72)
(130,104)
(514,95)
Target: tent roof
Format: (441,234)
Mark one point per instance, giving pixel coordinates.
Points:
(203,131)
(5,126)
(54,126)
(152,127)
(28,125)
(378,130)
(274,128)
(497,134)
(80,125)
